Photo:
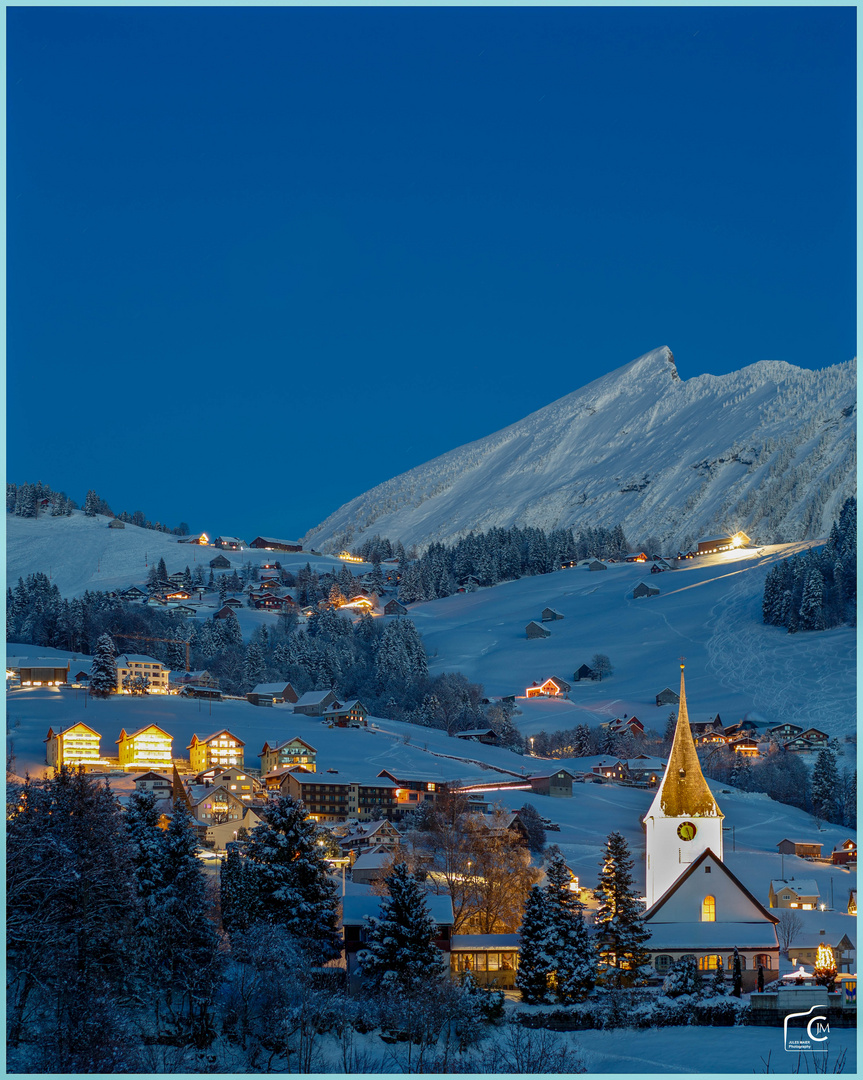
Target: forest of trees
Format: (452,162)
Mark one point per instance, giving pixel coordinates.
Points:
(26,500)
(818,589)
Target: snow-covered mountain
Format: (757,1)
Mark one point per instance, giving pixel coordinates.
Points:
(770,449)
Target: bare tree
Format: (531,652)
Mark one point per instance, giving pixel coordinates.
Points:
(601,665)
(789,926)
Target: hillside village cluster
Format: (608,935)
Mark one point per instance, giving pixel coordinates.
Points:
(697,932)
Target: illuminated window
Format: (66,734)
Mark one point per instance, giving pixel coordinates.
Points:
(709,963)
(708,909)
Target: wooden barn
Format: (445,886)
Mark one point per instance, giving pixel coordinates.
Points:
(535,630)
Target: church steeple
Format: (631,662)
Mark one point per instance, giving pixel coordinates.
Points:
(684,791)
(684,819)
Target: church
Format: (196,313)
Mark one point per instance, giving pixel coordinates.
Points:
(695,905)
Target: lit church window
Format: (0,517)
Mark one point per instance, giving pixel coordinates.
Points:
(708,909)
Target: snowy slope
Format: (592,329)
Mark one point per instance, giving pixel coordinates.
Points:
(81,552)
(769,449)
(708,610)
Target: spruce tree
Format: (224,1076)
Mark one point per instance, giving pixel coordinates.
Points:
(292,883)
(535,962)
(103,670)
(574,955)
(618,920)
(737,974)
(400,949)
(825,786)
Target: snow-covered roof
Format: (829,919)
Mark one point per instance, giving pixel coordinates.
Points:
(485,942)
(124,659)
(270,688)
(313,697)
(712,935)
(355,909)
(800,886)
(372,862)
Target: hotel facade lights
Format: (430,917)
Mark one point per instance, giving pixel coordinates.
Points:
(77,746)
(147,748)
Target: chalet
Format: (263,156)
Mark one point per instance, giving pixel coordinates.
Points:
(483,735)
(134,665)
(193,678)
(553,687)
(611,769)
(156,599)
(714,544)
(358,603)
(235,778)
(226,612)
(622,725)
(351,714)
(799,745)
(178,578)
(707,727)
(179,594)
(635,556)
(230,543)
(794,893)
(293,751)
(845,853)
(132,593)
(806,849)
(643,589)
(207,693)
(659,565)
(201,539)
(667,697)
(557,784)
(414,788)
(356,912)
(221,748)
(549,614)
(644,770)
(269,543)
(272,694)
(159,784)
(744,745)
(220,563)
(534,630)
(40,670)
(314,702)
(393,607)
(597,565)
(708,913)
(804,949)
(584,672)
(815,737)
(710,738)
(268,601)
(783,732)
(369,836)
(182,611)
(215,804)
(76,746)
(116,523)
(147,748)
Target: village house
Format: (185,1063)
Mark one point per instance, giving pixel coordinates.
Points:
(584,672)
(667,697)
(635,556)
(229,543)
(351,714)
(534,630)
(846,853)
(625,725)
(557,784)
(220,563)
(816,738)
(132,665)
(783,732)
(596,565)
(645,770)
(315,702)
(707,727)
(363,837)
(806,849)
(371,867)
(414,788)
(226,612)
(221,748)
(236,780)
(852,902)
(145,749)
(201,539)
(294,751)
(491,959)
(611,769)
(482,735)
(116,523)
(160,784)
(643,589)
(76,746)
(552,687)
(329,799)
(714,544)
(39,670)
(132,593)
(269,543)
(394,607)
(799,893)
(272,694)
(549,614)
(804,949)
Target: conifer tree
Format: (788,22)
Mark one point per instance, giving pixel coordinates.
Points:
(238,897)
(574,955)
(825,786)
(621,932)
(400,949)
(736,975)
(535,962)
(292,883)
(103,670)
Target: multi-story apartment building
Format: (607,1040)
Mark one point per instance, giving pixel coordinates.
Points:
(222,748)
(147,748)
(130,665)
(77,745)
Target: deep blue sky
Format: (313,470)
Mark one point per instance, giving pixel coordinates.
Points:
(262,259)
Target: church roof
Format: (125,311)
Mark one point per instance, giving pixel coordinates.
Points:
(651,912)
(684,791)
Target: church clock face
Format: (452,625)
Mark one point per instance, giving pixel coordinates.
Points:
(686,831)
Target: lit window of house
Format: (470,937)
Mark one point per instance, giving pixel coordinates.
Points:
(708,909)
